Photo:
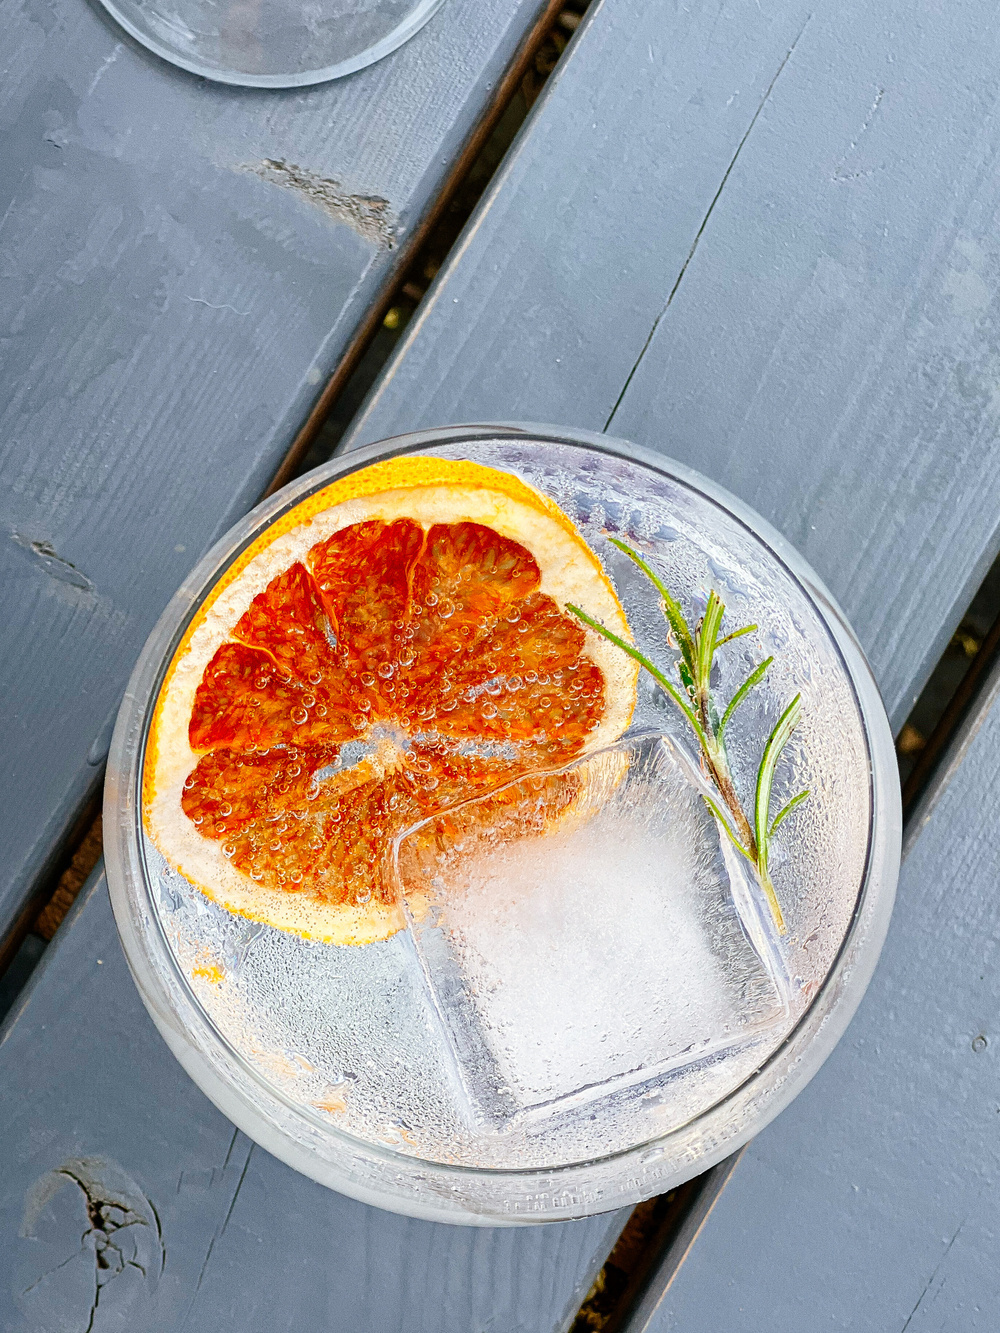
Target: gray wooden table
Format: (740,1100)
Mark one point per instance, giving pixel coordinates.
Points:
(760,239)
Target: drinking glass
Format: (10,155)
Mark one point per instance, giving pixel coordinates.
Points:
(272,43)
(591,999)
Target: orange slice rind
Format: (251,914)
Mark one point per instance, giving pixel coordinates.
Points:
(391,613)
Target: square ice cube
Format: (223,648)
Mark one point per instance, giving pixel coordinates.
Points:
(586,930)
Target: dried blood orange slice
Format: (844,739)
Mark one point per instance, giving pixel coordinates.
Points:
(395,644)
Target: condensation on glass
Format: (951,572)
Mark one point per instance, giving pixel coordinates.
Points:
(583,1009)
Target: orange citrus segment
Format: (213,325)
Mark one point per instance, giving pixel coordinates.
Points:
(388,655)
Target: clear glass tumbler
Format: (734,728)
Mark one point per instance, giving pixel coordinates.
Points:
(592,997)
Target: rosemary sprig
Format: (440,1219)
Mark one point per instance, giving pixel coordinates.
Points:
(693,696)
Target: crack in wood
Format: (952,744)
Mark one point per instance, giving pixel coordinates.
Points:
(123,1232)
(845,176)
(930,1280)
(704,222)
(221,1230)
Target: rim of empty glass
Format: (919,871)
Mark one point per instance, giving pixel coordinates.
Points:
(392,41)
(774,1082)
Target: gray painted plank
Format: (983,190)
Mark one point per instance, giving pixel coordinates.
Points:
(779,268)
(228,1237)
(170,304)
(571,197)
(872,1202)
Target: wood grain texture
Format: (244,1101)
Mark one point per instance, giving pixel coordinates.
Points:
(183,266)
(762,239)
(871,1203)
(842,383)
(229,1238)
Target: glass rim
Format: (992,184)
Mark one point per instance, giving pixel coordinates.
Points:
(392,41)
(789,1066)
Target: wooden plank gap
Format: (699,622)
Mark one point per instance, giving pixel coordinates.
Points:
(974,712)
(520,69)
(649,1252)
(58,874)
(37,924)
(941,698)
(71,881)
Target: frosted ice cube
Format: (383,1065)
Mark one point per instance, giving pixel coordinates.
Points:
(586,931)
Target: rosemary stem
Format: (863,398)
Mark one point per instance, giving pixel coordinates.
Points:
(724,785)
(772,900)
(694,699)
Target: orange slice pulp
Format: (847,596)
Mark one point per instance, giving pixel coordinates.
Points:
(395,644)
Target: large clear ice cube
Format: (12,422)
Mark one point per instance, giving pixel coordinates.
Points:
(584,932)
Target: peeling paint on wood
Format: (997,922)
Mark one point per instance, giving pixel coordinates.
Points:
(371,217)
(99,1248)
(55,565)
